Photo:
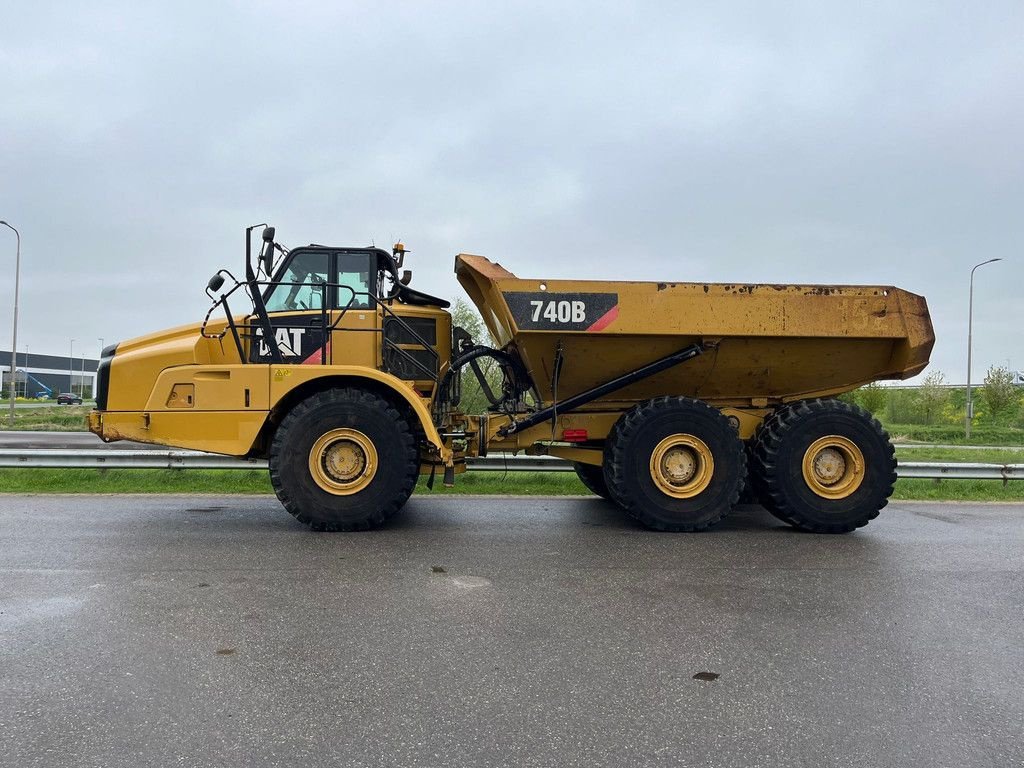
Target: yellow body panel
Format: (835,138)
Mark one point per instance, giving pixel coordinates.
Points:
(232,433)
(212,388)
(179,389)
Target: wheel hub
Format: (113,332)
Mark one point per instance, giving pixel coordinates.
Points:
(343,461)
(678,465)
(833,467)
(829,466)
(682,466)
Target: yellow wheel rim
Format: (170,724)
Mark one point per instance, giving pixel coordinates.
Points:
(833,467)
(682,466)
(343,461)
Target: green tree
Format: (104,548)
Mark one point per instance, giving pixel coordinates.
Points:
(934,395)
(999,393)
(465,317)
(871,398)
(473,398)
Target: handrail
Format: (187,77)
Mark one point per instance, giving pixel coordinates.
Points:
(374,300)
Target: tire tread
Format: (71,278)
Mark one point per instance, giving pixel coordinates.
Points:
(616,476)
(294,420)
(765,470)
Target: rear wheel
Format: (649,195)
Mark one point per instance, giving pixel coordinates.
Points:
(343,460)
(592,476)
(824,466)
(675,464)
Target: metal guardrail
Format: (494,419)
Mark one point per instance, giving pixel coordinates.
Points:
(171,459)
(939,471)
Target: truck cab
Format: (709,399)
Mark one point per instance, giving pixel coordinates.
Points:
(320,317)
(325,307)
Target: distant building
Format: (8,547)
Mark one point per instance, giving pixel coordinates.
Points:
(47,375)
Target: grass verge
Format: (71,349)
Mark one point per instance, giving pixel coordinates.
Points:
(958,490)
(954,435)
(51,418)
(487,483)
(962,456)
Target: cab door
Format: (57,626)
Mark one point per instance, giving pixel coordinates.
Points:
(299,304)
(355,339)
(316,292)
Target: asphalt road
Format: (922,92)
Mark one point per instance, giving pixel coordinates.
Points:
(209,631)
(40,404)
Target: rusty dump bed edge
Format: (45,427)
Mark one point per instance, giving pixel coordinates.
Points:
(766,343)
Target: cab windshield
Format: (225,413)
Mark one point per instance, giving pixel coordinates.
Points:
(309,280)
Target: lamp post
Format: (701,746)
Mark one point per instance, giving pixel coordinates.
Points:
(81,385)
(970,322)
(14,343)
(71,367)
(96,376)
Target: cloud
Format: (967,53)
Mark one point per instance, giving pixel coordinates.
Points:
(817,142)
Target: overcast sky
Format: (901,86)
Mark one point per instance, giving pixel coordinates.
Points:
(799,142)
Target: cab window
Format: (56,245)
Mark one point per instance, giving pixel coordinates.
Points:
(354,272)
(303,284)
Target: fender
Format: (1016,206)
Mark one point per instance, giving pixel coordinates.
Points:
(217,420)
(284,379)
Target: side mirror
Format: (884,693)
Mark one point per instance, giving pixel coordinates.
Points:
(215,282)
(267,257)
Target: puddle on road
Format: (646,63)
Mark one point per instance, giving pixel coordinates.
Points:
(471,582)
(21,610)
(706,677)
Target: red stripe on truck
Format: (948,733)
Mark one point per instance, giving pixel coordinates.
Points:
(604,320)
(314,359)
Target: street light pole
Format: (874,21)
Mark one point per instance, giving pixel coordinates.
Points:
(71,367)
(96,377)
(970,322)
(14,343)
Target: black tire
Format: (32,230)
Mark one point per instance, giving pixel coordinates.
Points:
(351,507)
(592,476)
(748,493)
(630,460)
(781,456)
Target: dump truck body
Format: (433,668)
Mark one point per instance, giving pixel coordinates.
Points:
(771,344)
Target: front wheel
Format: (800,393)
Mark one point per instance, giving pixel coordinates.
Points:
(343,460)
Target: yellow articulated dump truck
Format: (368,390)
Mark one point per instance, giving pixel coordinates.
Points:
(668,398)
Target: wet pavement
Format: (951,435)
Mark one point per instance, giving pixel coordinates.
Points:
(167,630)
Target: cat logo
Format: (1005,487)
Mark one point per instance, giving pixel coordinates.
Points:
(289,341)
